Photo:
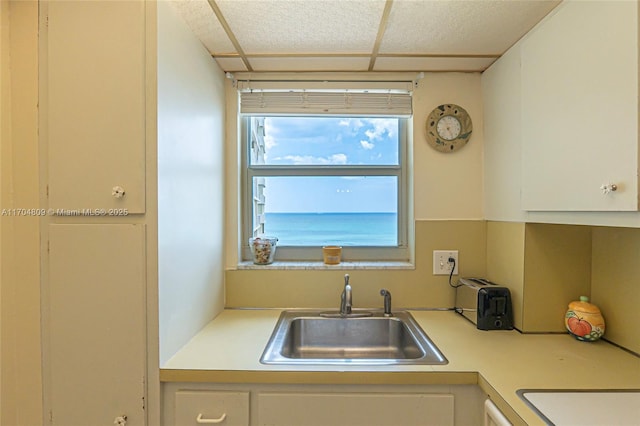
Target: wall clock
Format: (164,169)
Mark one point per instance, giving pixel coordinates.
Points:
(449,128)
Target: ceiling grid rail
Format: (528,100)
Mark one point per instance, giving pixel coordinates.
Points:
(230,34)
(381,29)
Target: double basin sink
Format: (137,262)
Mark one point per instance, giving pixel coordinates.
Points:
(357,338)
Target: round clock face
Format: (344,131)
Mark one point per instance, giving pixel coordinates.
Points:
(448,128)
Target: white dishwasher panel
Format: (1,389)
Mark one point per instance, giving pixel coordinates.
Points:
(493,416)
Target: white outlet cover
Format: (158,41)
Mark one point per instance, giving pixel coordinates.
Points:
(441,265)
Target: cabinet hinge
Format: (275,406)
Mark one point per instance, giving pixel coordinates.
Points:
(51,417)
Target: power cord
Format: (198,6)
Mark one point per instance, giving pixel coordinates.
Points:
(452,261)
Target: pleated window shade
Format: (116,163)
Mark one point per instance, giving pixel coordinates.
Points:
(365,102)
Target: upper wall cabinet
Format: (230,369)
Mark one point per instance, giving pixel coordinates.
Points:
(93,87)
(579,74)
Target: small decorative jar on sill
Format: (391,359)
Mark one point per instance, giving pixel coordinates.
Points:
(584,320)
(263,249)
(332,255)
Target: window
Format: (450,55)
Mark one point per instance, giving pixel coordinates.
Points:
(312,181)
(326,179)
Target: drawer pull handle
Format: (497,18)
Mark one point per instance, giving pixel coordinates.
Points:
(211,421)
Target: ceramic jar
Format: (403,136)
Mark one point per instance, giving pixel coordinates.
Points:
(584,320)
(263,249)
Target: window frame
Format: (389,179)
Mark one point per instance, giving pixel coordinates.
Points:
(314,253)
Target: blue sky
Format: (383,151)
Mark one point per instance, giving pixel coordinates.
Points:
(337,141)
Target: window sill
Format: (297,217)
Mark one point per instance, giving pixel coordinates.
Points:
(311,265)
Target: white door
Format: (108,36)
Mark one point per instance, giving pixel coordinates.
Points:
(93,98)
(95,324)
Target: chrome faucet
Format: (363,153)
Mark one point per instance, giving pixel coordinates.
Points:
(387,302)
(345,298)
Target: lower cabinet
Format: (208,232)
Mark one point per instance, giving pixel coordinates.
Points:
(186,404)
(354,409)
(94,325)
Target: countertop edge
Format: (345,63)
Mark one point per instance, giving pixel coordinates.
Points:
(321,377)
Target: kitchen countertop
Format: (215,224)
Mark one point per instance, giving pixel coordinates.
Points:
(228,350)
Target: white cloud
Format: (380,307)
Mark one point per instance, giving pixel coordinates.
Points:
(338,159)
(354,123)
(367,145)
(382,126)
(269,142)
(309,159)
(269,129)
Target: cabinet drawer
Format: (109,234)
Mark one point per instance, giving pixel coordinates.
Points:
(197,408)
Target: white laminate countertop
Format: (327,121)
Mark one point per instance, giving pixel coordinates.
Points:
(228,349)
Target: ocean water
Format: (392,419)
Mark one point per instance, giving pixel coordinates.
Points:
(344,229)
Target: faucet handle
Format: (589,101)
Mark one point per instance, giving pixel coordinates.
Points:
(387,301)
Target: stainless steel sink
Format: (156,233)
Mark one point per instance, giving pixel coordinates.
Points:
(315,337)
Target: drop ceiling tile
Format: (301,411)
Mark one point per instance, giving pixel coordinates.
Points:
(460,27)
(431,64)
(200,18)
(297,26)
(231,64)
(310,64)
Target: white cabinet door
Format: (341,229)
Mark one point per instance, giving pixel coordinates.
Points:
(580,108)
(355,409)
(95,324)
(94,94)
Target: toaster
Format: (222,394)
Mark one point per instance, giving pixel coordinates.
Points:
(484,303)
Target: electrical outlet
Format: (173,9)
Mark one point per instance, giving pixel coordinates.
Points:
(441,264)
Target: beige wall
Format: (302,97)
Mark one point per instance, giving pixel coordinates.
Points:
(557,270)
(448,186)
(190,183)
(615,283)
(505,265)
(410,288)
(21,382)
(5,137)
(546,266)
